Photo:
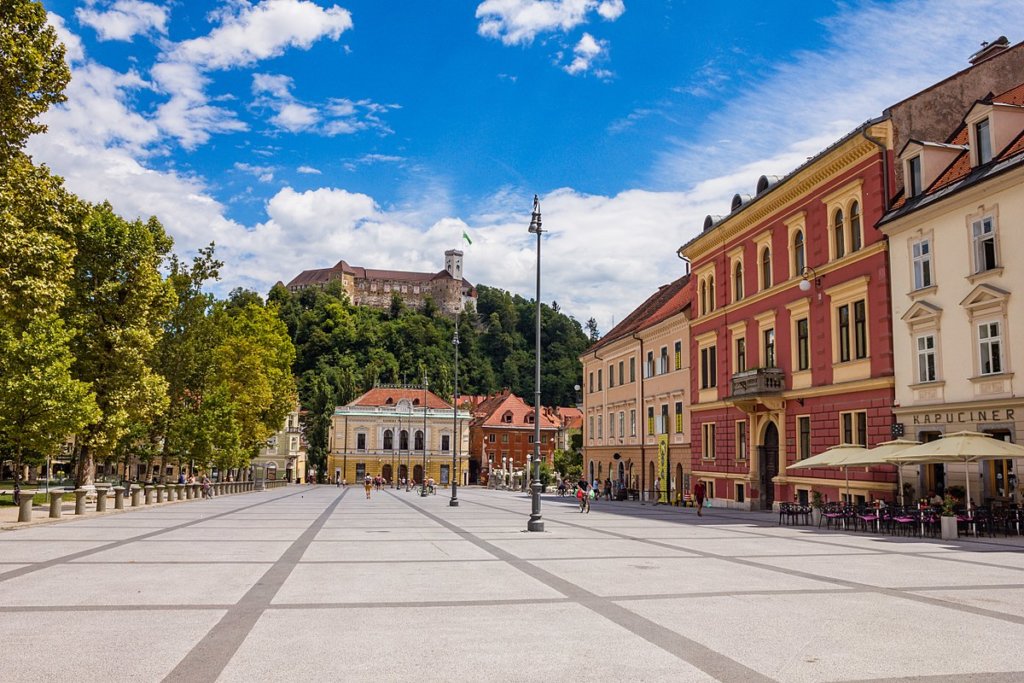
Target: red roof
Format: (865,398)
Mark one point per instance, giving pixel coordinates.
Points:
(386,396)
(666,302)
(508,410)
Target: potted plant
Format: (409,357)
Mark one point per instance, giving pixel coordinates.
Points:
(817,503)
(947,521)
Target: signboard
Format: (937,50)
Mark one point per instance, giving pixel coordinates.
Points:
(663,468)
(445,474)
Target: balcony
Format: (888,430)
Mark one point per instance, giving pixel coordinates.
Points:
(757,386)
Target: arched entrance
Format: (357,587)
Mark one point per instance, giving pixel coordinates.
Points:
(417,473)
(386,473)
(403,471)
(768,463)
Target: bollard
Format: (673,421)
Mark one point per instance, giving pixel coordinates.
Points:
(118,498)
(25,507)
(136,495)
(190,491)
(55,503)
(180,491)
(101,500)
(80,495)
(160,493)
(170,493)
(150,494)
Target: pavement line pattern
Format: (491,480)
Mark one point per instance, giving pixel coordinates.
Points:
(690,651)
(205,662)
(70,557)
(901,593)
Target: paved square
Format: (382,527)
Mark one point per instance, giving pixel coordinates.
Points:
(320,583)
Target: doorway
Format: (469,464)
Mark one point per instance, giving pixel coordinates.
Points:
(768,457)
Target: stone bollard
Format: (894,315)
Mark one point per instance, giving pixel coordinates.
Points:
(180,491)
(118,498)
(190,491)
(25,507)
(101,500)
(160,493)
(55,503)
(170,492)
(136,496)
(80,495)
(150,494)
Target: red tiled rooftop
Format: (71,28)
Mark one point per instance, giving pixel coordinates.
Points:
(385,396)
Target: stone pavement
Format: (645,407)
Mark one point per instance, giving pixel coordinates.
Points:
(318,582)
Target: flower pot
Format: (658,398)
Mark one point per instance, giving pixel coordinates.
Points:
(947,527)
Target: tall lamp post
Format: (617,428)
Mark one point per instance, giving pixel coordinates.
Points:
(454,502)
(423,477)
(536,523)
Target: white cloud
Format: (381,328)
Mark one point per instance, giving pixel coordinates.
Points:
(295,117)
(337,116)
(586,51)
(250,33)
(518,22)
(265,174)
(187,114)
(308,170)
(124,19)
(73,50)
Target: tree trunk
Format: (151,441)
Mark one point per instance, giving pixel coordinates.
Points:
(86,475)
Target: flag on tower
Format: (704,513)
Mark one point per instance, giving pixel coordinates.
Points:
(465,236)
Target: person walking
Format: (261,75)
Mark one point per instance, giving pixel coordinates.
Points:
(368,484)
(657,490)
(699,492)
(608,489)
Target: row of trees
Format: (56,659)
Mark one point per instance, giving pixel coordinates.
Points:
(104,333)
(342,350)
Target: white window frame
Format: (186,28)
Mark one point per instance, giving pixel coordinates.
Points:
(985,345)
(707,440)
(979,237)
(921,260)
(925,347)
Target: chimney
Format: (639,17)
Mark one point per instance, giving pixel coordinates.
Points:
(989,50)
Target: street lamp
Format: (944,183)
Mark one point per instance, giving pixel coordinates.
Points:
(423,476)
(536,523)
(454,502)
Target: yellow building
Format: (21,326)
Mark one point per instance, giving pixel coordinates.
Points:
(398,433)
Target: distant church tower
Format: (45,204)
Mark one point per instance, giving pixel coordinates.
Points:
(453,263)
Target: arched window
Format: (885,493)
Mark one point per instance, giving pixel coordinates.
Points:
(837,229)
(403,440)
(711,293)
(419,439)
(703,297)
(766,268)
(855,236)
(799,260)
(389,440)
(737,281)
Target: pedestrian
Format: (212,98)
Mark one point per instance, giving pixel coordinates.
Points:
(17,492)
(181,477)
(657,490)
(608,488)
(367,484)
(699,491)
(582,495)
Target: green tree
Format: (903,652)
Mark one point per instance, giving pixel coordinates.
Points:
(118,304)
(33,73)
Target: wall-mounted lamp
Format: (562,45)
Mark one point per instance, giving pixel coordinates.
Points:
(807,274)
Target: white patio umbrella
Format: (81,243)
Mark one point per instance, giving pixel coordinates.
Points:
(883,452)
(965,447)
(833,456)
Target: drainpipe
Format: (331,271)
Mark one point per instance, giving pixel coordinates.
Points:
(885,168)
(643,422)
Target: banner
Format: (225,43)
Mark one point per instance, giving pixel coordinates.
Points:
(663,468)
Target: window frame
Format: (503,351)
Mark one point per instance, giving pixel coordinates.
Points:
(803,437)
(923,355)
(921,263)
(988,342)
(803,349)
(708,440)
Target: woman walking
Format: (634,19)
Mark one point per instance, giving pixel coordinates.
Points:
(368,484)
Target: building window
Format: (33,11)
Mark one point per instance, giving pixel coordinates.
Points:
(389,440)
(622,423)
(803,428)
(741,354)
(590,384)
(632,422)
(679,417)
(711,293)
(611,376)
(504,437)
(703,297)
(991,348)
(984,140)
(599,383)
(921,255)
(741,439)
(855,427)
(766,268)
(844,333)
(926,358)
(679,355)
(600,427)
(611,425)
(446,442)
(361,441)
(914,171)
(591,424)
(984,234)
(650,420)
(768,337)
(799,257)
(839,235)
(737,281)
(420,442)
(530,439)
(663,427)
(663,361)
(622,375)
(632,368)
(708,368)
(855,236)
(860,329)
(803,356)
(707,443)
(649,365)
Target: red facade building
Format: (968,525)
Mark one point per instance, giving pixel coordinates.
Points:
(501,432)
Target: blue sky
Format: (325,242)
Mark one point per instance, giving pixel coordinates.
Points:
(295,133)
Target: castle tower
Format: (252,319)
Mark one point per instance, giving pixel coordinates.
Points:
(453,263)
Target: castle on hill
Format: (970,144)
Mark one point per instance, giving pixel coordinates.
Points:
(375,288)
